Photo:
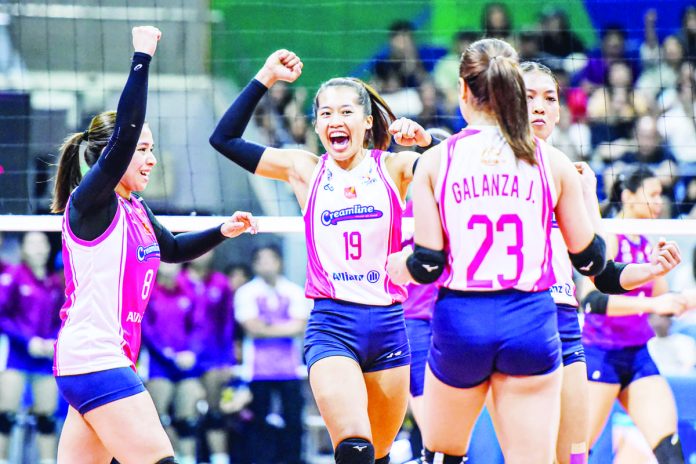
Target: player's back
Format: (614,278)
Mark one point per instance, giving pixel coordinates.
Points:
(496,213)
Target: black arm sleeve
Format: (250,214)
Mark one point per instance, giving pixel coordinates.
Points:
(93,203)
(184,247)
(609,280)
(227,136)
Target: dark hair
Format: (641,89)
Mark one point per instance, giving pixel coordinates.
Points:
(69,175)
(490,69)
(373,105)
(534,66)
(488,30)
(400,26)
(272,247)
(243,267)
(631,181)
(611,29)
(465,36)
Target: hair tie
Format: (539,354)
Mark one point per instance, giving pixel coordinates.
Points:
(493,58)
(85,135)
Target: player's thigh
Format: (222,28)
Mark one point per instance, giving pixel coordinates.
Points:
(162,393)
(11,389)
(650,403)
(339,390)
(131,430)
(187,395)
(387,401)
(45,394)
(79,443)
(449,414)
(525,435)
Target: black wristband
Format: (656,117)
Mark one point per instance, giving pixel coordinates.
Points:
(595,303)
(434,141)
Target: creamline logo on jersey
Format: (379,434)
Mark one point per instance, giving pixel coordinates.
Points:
(356,212)
(371,276)
(144,253)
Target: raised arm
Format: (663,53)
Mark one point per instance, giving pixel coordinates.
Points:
(97,187)
(265,161)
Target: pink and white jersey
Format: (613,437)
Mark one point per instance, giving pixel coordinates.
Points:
(108,284)
(496,213)
(563,291)
(352,223)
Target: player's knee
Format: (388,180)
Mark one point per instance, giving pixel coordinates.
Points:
(45,424)
(669,450)
(354,451)
(431,457)
(168,460)
(7,422)
(185,428)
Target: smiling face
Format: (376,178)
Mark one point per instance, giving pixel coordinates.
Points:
(542,102)
(341,122)
(137,175)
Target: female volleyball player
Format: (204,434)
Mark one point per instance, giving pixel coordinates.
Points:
(355,345)
(618,362)
(112,245)
(174,368)
(544,114)
(483,204)
(29,317)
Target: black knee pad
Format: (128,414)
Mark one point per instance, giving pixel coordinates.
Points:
(185,428)
(214,420)
(430,457)
(45,424)
(7,421)
(669,450)
(354,451)
(384,460)
(167,460)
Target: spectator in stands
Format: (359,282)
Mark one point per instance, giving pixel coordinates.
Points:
(678,106)
(571,136)
(433,114)
(613,108)
(528,48)
(660,67)
(557,37)
(496,22)
(674,353)
(687,35)
(273,312)
(401,66)
(613,49)
(447,69)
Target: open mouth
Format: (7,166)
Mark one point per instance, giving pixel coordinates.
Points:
(339,140)
(145,174)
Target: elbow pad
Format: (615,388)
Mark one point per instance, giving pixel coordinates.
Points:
(609,280)
(591,260)
(426,265)
(595,303)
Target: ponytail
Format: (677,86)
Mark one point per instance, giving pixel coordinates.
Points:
(491,70)
(373,105)
(382,117)
(68,176)
(508,99)
(631,181)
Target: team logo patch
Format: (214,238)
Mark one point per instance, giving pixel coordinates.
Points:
(350,192)
(148,252)
(331,218)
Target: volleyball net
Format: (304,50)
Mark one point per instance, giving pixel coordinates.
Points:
(626,77)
